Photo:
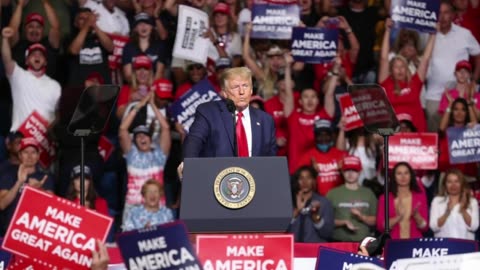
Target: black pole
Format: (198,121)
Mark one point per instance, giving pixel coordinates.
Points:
(386,190)
(82,171)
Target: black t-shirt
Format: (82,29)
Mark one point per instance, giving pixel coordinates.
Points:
(91,58)
(363,25)
(20,50)
(156,52)
(8,180)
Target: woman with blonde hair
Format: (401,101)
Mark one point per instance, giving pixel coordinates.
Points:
(454,212)
(403,88)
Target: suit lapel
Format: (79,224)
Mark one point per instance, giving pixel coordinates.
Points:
(227,120)
(256,132)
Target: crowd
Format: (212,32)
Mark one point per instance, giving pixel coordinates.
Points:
(52,49)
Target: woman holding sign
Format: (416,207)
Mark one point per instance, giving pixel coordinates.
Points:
(402,87)
(458,114)
(454,212)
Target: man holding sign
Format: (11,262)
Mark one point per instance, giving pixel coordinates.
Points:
(211,134)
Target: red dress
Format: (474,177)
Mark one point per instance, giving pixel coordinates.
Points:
(407,100)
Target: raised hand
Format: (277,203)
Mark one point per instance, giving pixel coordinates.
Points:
(350,226)
(7,32)
(36,183)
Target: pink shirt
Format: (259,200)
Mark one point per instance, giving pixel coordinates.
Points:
(442,107)
(415,232)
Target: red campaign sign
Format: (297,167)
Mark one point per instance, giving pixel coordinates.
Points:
(105,148)
(36,126)
(349,112)
(18,263)
(246,251)
(418,149)
(119,42)
(56,232)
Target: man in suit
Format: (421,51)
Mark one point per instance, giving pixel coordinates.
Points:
(212,133)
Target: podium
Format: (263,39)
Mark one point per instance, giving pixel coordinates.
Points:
(221,195)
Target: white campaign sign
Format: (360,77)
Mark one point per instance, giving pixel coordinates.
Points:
(189,42)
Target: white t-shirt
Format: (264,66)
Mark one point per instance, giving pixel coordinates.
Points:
(458,44)
(31,93)
(109,22)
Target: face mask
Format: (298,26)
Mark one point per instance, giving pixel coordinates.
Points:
(324,147)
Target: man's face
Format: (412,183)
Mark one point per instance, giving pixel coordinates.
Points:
(309,101)
(323,137)
(29,156)
(446,16)
(109,4)
(239,90)
(36,60)
(14,146)
(196,72)
(81,19)
(34,31)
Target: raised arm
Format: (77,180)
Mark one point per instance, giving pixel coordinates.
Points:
(288,103)
(247,58)
(124,136)
(352,39)
(104,39)
(78,42)
(329,99)
(8,62)
(383,69)
(16,20)
(54,33)
(427,54)
(164,139)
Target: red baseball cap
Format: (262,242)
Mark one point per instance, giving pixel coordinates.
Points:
(34,16)
(404,117)
(222,8)
(36,46)
(95,76)
(142,61)
(463,64)
(351,163)
(29,141)
(163,88)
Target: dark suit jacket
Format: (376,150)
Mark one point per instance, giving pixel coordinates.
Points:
(211,134)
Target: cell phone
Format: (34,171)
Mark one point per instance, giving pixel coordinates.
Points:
(332,22)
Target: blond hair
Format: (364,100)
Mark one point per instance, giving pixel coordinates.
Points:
(152,182)
(242,72)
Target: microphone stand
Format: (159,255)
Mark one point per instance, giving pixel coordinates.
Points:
(231,108)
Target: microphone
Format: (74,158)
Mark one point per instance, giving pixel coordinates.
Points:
(231,108)
(230,105)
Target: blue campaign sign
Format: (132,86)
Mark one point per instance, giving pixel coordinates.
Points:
(329,258)
(271,21)
(314,45)
(425,247)
(420,15)
(183,110)
(4,256)
(158,247)
(463,146)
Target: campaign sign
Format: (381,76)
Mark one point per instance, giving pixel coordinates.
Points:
(373,107)
(105,148)
(349,113)
(189,41)
(420,15)
(270,21)
(246,251)
(463,144)
(329,258)
(4,257)
(19,263)
(54,232)
(183,110)
(314,45)
(425,247)
(37,127)
(420,150)
(158,247)
(115,59)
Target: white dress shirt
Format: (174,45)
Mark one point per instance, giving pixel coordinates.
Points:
(455,226)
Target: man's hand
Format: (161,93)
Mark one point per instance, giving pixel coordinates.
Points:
(37,184)
(180,171)
(100,258)
(7,32)
(350,225)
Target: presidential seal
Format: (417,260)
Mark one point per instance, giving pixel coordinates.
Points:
(234,187)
